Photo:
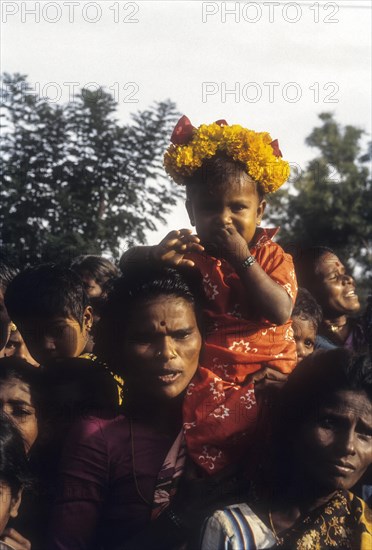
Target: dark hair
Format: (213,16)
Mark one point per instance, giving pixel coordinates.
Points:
(14,469)
(306,307)
(140,282)
(7,273)
(100,269)
(305,261)
(15,367)
(216,170)
(46,291)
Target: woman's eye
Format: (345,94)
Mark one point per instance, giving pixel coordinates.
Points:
(143,338)
(20,411)
(327,422)
(181,334)
(364,432)
(365,436)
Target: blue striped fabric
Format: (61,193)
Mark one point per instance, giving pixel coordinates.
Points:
(236,527)
(241,529)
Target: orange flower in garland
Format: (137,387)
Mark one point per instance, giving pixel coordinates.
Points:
(259,154)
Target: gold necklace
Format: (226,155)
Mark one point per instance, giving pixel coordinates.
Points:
(272,526)
(336,328)
(134,464)
(277,538)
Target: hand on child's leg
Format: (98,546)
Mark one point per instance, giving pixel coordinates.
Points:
(267,381)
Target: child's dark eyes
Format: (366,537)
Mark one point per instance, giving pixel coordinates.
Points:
(309,343)
(207,206)
(238,207)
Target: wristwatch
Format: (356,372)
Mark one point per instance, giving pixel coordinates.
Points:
(248,262)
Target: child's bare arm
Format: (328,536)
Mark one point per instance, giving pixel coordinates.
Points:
(170,251)
(269,299)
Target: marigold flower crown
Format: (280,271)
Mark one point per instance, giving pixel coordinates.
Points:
(259,154)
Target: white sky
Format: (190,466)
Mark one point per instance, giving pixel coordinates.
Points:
(170,52)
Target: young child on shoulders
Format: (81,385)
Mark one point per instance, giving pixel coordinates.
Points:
(306,318)
(249,280)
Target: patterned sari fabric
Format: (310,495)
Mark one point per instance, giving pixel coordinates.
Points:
(169,476)
(345,522)
(220,411)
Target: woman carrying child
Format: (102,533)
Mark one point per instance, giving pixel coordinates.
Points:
(249,280)
(120,471)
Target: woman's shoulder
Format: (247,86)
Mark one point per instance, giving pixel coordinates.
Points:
(235,527)
(100,430)
(359,510)
(343,522)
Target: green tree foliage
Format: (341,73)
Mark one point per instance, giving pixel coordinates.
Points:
(76,181)
(330,203)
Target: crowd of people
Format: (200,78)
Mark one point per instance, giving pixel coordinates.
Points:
(192,397)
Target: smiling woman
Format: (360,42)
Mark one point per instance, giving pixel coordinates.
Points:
(125,468)
(320,271)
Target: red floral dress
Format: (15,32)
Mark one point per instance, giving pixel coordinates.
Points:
(220,412)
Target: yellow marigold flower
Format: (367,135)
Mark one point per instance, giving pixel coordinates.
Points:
(253,149)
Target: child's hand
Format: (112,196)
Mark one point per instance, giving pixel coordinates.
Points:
(175,245)
(231,244)
(15,540)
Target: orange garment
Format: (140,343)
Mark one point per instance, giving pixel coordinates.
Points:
(220,412)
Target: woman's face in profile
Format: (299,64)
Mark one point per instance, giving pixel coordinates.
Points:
(334,447)
(162,347)
(335,288)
